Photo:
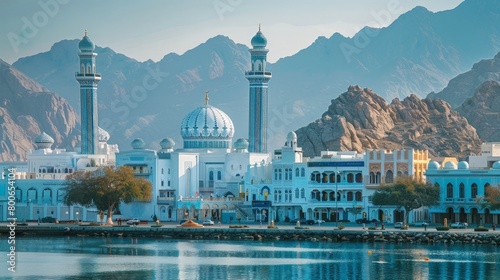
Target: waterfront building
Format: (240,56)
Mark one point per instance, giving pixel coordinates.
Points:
(463,185)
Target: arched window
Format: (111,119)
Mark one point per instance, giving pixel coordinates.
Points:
(332,177)
(47,196)
(461,190)
(324,177)
(296,193)
(389,176)
(377,179)
(211,175)
(359,178)
(302,172)
(302,193)
(280,174)
(350,196)
(350,178)
(275,174)
(359,197)
(162,171)
(219,175)
(474,190)
(286,174)
(19,195)
(449,190)
(297,172)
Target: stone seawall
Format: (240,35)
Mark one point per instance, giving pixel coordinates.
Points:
(224,233)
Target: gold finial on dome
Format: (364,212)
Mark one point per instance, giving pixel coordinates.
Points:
(206,97)
(259,27)
(85,31)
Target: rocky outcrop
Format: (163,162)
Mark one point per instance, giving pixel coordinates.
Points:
(359,119)
(483,110)
(27,109)
(465,85)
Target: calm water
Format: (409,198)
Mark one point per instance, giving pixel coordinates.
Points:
(144,258)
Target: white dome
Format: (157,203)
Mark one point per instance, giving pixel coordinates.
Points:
(138,143)
(241,144)
(44,141)
(450,165)
(433,165)
(463,165)
(496,165)
(207,127)
(167,143)
(103,135)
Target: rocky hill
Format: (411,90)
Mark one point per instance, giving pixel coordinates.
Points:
(465,85)
(360,119)
(26,110)
(483,110)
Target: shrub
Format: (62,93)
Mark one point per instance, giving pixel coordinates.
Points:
(481,228)
(341,227)
(94,224)
(441,228)
(372,228)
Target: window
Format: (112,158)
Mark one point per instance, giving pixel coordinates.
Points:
(474,190)
(332,178)
(449,190)
(359,178)
(461,190)
(297,172)
(162,183)
(325,178)
(219,175)
(162,171)
(280,174)
(389,176)
(297,193)
(349,196)
(350,178)
(275,174)
(302,193)
(359,197)
(302,172)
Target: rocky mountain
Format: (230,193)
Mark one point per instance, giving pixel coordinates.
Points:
(463,86)
(359,119)
(483,110)
(418,53)
(27,109)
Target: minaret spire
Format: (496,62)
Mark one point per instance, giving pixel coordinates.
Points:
(88,79)
(206,97)
(258,77)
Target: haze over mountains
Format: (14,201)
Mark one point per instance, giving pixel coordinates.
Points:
(417,54)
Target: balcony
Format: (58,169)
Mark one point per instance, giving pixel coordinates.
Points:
(264,73)
(87,75)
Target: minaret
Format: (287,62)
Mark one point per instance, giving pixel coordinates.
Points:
(258,78)
(88,79)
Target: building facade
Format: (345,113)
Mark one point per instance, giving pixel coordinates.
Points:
(462,187)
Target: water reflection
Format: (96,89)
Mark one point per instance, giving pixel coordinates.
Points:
(143,258)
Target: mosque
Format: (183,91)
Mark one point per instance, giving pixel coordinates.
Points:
(214,176)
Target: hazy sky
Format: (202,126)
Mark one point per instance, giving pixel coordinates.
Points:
(150,29)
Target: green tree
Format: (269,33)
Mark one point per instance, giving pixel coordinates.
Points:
(407,193)
(491,198)
(105,188)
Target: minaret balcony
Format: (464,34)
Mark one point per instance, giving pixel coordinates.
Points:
(259,73)
(89,75)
